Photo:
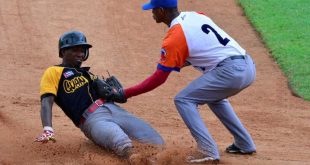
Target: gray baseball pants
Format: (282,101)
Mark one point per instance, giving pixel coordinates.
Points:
(213,88)
(111,127)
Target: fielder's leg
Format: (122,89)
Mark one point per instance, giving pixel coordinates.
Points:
(190,115)
(229,78)
(223,110)
(233,76)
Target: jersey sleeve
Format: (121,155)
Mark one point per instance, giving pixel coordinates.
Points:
(152,82)
(174,50)
(50,80)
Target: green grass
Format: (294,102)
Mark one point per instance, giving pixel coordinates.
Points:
(285,28)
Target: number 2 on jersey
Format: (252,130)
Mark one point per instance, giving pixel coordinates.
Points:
(205,28)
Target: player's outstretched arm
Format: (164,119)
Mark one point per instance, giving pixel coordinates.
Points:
(155,80)
(46,117)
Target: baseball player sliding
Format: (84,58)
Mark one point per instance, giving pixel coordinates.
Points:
(194,39)
(86,100)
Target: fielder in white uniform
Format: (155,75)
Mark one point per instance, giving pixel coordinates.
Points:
(194,39)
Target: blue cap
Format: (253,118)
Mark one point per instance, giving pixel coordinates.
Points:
(160,3)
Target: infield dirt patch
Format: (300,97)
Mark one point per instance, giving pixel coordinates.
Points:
(126,41)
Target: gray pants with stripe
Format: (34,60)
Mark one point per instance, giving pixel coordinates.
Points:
(213,88)
(111,127)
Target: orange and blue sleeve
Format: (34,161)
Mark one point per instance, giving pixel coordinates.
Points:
(174,50)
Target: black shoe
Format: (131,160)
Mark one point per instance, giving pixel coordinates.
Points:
(233,149)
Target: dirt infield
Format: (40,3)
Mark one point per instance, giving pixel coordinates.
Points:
(126,42)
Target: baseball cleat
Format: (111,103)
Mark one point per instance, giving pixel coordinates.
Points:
(233,149)
(201,158)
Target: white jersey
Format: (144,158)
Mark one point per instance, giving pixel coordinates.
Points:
(194,38)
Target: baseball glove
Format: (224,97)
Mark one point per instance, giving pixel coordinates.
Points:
(102,88)
(118,91)
(110,89)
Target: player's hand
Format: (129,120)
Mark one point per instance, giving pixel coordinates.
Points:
(46,136)
(118,95)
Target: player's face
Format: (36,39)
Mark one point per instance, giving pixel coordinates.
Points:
(74,56)
(158,14)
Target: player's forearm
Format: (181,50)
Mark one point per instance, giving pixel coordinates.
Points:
(152,82)
(46,111)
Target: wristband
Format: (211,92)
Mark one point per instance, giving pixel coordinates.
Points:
(48,128)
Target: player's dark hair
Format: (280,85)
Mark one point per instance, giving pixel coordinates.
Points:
(172,9)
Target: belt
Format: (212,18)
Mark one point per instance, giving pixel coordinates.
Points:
(237,57)
(92,108)
(232,58)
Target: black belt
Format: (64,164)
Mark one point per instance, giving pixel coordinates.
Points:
(232,58)
(237,57)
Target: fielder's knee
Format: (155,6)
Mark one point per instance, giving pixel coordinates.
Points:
(178,99)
